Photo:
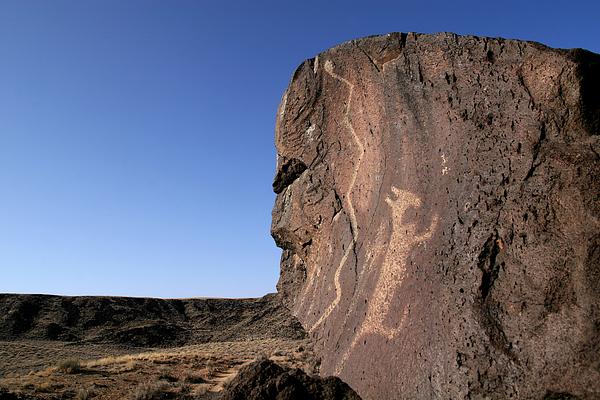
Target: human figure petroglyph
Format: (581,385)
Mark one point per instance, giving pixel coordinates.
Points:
(403,238)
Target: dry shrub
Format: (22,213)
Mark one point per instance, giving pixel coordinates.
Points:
(185,388)
(69,366)
(83,394)
(201,390)
(280,353)
(165,374)
(150,391)
(211,368)
(44,387)
(193,379)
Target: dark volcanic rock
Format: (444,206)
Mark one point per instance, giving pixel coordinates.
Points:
(443,240)
(144,322)
(7,395)
(265,380)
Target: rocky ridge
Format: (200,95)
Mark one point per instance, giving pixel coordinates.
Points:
(143,322)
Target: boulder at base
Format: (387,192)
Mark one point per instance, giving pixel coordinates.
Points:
(266,380)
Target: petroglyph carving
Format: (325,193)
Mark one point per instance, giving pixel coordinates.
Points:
(445,168)
(349,206)
(404,236)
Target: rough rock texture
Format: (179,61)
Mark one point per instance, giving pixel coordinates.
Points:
(265,380)
(439,211)
(144,322)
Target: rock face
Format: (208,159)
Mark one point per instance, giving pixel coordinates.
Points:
(438,206)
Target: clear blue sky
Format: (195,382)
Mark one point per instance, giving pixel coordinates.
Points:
(136,137)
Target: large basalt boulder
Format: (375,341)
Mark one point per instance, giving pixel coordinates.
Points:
(438,208)
(266,380)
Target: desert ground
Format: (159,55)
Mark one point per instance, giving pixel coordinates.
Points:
(123,348)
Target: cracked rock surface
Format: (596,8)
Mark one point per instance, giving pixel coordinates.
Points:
(438,208)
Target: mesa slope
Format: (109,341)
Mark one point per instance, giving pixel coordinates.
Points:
(57,347)
(143,322)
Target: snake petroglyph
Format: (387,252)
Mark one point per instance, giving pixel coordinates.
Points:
(349,205)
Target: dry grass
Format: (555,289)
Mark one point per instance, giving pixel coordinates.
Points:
(191,372)
(129,366)
(112,360)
